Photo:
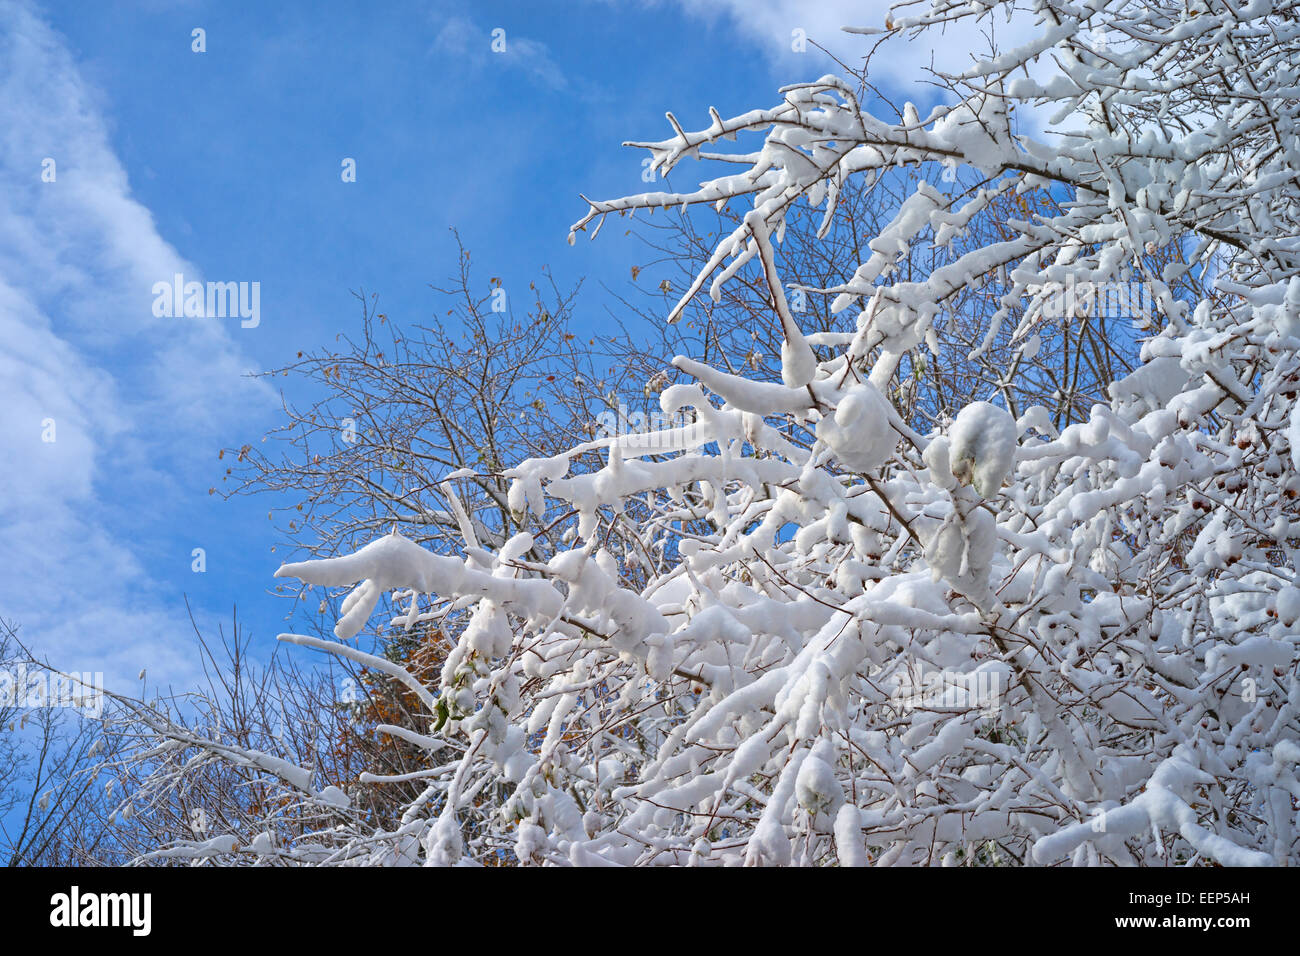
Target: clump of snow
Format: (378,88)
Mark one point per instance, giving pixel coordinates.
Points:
(982,447)
(1150,386)
(1288,605)
(816,788)
(848,837)
(859,433)
(1293,436)
(961,550)
(936,458)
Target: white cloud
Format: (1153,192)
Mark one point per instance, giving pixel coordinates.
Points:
(461,38)
(897,66)
(82,348)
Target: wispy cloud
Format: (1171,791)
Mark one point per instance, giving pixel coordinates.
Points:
(84,365)
(460,38)
(778,27)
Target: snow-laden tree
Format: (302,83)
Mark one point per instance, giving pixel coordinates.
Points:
(791,628)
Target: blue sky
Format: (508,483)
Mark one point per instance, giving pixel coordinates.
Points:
(225,166)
